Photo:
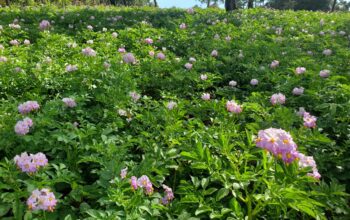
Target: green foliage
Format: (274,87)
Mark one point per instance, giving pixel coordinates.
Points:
(205,154)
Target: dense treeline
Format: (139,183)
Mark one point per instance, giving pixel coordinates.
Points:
(312,5)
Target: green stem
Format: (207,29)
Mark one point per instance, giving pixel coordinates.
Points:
(249,205)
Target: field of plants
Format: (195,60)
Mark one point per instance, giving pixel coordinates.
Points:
(143,113)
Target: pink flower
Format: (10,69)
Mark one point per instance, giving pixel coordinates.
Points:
(161,56)
(298,91)
(300,70)
(106,65)
(42,199)
(190,10)
(14,42)
(26,42)
(309,120)
(121,50)
(192,60)
(254,82)
(183,26)
(278,142)
(206,96)
(28,106)
(171,105)
(115,34)
(324,73)
(71,68)
(214,53)
(274,64)
(123,173)
(90,28)
(133,181)
(232,83)
(308,161)
(44,25)
(278,98)
(148,41)
(188,66)
(146,184)
(30,163)
(135,96)
(151,53)
(232,106)
(203,77)
(122,112)
(3,59)
(69,102)
(129,58)
(89,52)
(228,38)
(169,195)
(327,52)
(22,127)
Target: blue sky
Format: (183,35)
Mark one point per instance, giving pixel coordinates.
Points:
(179,3)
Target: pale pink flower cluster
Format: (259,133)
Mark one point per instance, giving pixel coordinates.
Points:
(309,120)
(274,64)
(3,59)
(14,26)
(254,82)
(22,127)
(28,106)
(69,102)
(232,83)
(327,52)
(232,106)
(300,70)
(278,142)
(203,77)
(135,96)
(169,195)
(324,73)
(192,60)
(183,26)
(88,52)
(278,98)
(123,173)
(161,56)
(129,58)
(298,91)
(42,199)
(188,66)
(171,105)
(26,42)
(214,53)
(71,68)
(148,41)
(308,161)
(14,42)
(44,25)
(30,163)
(142,182)
(115,34)
(206,96)
(121,50)
(190,10)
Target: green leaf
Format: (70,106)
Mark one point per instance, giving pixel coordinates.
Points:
(189,155)
(203,209)
(222,193)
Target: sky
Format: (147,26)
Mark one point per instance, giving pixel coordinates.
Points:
(179,3)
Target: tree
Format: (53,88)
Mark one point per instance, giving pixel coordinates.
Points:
(230,5)
(8,2)
(333,5)
(250,3)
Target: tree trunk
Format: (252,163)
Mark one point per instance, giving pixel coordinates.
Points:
(155,3)
(208,3)
(250,3)
(230,5)
(333,5)
(8,2)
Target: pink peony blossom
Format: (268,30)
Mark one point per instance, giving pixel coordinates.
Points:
(183,26)
(203,77)
(274,64)
(148,41)
(71,68)
(161,56)
(214,53)
(28,106)
(309,120)
(188,66)
(254,82)
(44,25)
(22,127)
(69,102)
(324,73)
(129,58)
(89,52)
